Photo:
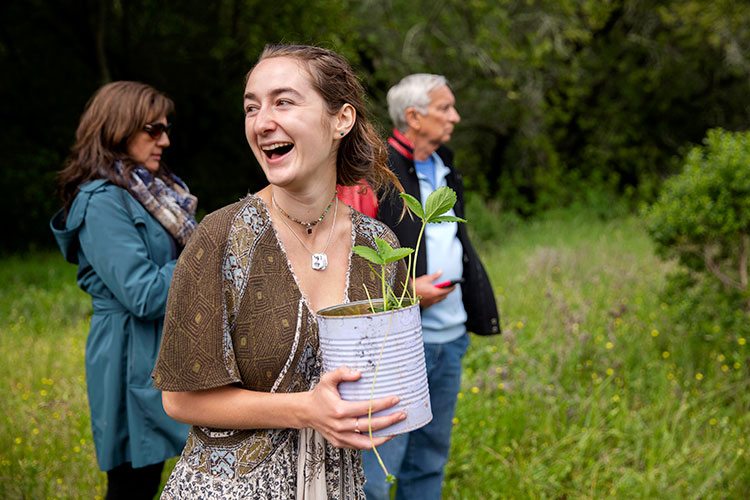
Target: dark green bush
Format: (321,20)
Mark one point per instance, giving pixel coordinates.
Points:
(702,218)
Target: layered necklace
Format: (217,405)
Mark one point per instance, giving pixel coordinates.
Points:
(308,225)
(319,260)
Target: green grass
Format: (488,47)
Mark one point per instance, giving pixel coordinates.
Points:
(46,447)
(590,393)
(576,400)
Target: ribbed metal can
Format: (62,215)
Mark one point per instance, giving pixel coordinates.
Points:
(351,335)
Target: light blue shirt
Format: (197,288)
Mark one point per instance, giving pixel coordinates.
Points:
(446,320)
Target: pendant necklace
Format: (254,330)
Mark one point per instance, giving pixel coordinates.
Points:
(308,225)
(319,260)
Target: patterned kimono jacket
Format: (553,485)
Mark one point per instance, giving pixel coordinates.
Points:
(235,315)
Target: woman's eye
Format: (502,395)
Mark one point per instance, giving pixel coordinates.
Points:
(249,109)
(283,102)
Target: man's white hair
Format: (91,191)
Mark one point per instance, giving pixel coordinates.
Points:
(412,91)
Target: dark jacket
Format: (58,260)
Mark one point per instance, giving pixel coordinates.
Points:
(479,301)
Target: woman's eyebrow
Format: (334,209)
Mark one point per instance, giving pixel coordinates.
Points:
(275,92)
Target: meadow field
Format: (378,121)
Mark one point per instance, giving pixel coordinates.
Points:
(590,392)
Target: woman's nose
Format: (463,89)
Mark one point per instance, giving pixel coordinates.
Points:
(163,140)
(264,121)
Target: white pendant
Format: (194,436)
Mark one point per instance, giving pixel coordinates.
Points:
(319,261)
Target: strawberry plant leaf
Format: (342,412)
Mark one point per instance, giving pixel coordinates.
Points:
(414,205)
(446,218)
(369,254)
(440,201)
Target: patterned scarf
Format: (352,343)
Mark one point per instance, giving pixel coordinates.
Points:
(172,205)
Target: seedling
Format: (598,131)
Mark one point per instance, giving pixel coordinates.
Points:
(437,204)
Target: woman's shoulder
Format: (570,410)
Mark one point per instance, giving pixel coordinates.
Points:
(97,188)
(249,211)
(248,204)
(98,194)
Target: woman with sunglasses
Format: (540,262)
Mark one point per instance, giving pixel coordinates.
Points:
(240,357)
(125,219)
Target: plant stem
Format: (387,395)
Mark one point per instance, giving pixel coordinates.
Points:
(411,269)
(414,270)
(372,395)
(382,280)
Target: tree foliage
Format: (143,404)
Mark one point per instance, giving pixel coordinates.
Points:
(559,98)
(702,216)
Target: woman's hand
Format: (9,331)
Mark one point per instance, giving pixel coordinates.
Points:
(345,423)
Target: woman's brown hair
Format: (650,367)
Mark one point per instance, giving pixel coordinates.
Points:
(111,117)
(362,154)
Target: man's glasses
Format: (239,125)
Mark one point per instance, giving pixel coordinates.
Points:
(156,129)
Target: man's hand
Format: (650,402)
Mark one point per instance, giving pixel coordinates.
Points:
(430,293)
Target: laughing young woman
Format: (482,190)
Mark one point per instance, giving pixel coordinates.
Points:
(240,356)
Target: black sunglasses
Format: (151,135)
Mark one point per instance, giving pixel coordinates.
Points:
(156,129)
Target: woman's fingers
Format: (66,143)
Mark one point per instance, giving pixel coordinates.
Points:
(340,374)
(379,404)
(345,423)
(364,423)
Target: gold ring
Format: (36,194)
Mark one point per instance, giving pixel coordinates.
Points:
(356,425)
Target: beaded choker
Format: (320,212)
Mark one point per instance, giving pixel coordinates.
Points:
(308,225)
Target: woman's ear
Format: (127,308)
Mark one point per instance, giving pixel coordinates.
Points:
(345,119)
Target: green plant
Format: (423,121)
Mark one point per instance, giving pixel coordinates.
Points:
(440,201)
(437,204)
(702,216)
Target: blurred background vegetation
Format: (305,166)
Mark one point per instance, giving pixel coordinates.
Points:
(563,101)
(623,368)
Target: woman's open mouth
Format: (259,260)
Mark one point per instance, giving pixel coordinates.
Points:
(277,150)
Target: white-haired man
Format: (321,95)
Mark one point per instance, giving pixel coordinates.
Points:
(423,111)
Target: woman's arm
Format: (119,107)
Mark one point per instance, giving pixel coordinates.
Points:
(230,407)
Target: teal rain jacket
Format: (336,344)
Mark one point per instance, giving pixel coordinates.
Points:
(125,261)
